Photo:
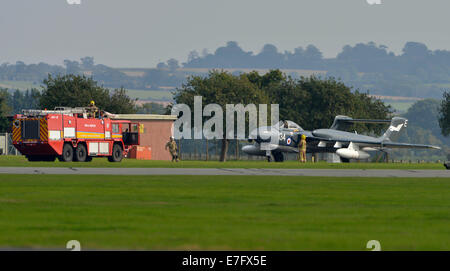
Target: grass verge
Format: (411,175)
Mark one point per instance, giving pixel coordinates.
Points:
(224,213)
(21,161)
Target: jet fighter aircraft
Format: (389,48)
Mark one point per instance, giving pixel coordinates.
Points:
(346,145)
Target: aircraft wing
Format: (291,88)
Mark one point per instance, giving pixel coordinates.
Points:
(409,146)
(376,144)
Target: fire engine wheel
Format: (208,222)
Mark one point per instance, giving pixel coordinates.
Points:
(81,153)
(67,154)
(117,154)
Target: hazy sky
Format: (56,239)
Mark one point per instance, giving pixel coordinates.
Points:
(140,33)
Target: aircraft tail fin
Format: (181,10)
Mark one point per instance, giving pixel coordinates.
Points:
(397,124)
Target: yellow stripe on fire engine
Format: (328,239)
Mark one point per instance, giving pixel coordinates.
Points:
(90,135)
(43,130)
(116,136)
(17,131)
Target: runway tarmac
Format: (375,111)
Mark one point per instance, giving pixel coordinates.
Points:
(231,172)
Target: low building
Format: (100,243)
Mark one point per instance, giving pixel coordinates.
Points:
(156,133)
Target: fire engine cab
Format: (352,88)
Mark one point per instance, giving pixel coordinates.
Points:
(71,134)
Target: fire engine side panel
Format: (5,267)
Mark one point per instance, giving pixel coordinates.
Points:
(97,134)
(55,126)
(99,148)
(69,131)
(107,125)
(90,129)
(55,132)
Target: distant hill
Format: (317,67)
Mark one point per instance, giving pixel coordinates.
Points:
(417,72)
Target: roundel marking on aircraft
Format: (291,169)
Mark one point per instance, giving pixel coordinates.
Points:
(288,141)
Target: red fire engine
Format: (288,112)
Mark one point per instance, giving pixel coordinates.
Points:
(70,134)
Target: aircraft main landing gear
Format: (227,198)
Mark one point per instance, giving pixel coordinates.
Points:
(278,156)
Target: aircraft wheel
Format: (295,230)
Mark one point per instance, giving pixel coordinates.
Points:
(278,156)
(345,160)
(81,153)
(447,165)
(117,154)
(67,154)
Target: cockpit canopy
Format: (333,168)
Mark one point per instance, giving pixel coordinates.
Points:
(290,125)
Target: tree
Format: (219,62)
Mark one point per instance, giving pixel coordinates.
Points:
(425,114)
(155,78)
(173,64)
(269,57)
(4,110)
(416,50)
(151,108)
(266,80)
(72,67)
(193,55)
(120,102)
(423,128)
(87,62)
(78,91)
(162,66)
(220,88)
(313,53)
(444,117)
(23,100)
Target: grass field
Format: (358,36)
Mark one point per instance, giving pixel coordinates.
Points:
(224,213)
(400,106)
(21,161)
(153,95)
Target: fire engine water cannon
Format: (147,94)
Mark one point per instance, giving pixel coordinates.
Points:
(72,134)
